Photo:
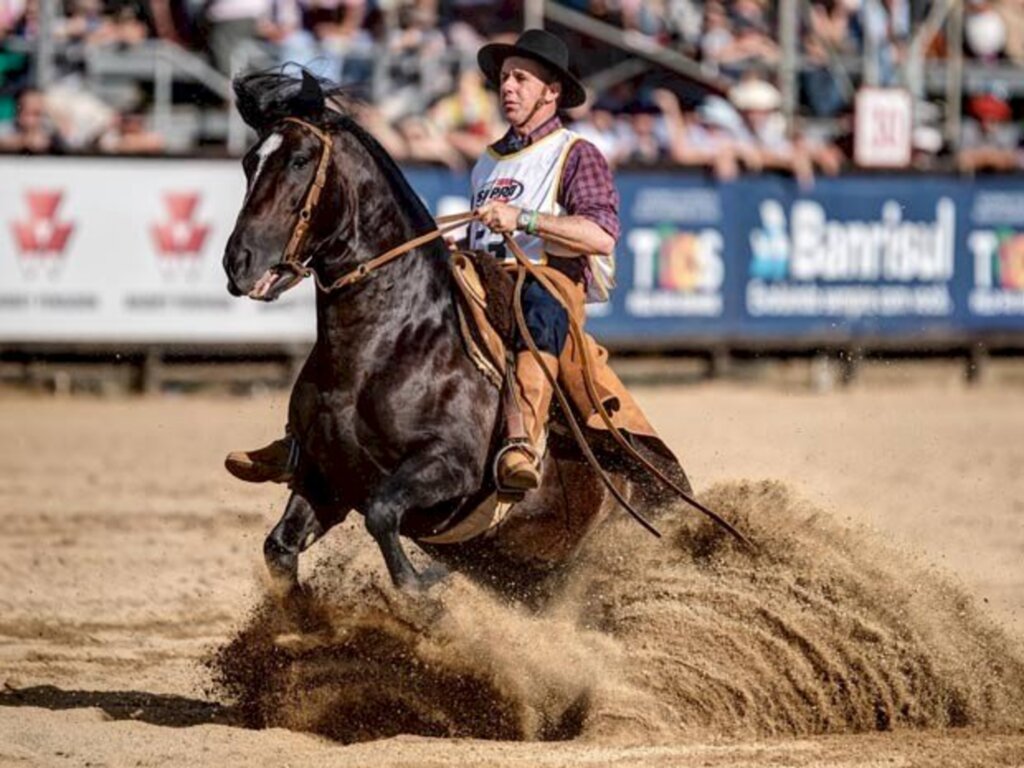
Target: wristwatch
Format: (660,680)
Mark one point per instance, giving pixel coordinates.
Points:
(523,219)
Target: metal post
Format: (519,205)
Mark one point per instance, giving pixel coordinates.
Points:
(870,56)
(162,84)
(955,73)
(533,14)
(789,23)
(46,70)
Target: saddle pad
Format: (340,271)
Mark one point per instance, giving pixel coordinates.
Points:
(487,516)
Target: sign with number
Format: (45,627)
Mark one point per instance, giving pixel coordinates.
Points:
(883,127)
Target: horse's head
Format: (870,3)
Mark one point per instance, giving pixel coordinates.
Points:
(280,224)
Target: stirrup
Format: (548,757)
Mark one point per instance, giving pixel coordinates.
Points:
(505,493)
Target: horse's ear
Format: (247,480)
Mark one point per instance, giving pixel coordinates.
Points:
(310,101)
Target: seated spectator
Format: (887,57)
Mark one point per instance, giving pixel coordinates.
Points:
(645,139)
(597,124)
(984,31)
(129,135)
(759,101)
(989,140)
(699,139)
(230,25)
(469,118)
(34,132)
(744,41)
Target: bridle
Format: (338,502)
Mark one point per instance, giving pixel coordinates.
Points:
(292,259)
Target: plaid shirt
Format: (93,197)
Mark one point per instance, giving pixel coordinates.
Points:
(586,187)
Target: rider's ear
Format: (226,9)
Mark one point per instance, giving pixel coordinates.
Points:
(310,101)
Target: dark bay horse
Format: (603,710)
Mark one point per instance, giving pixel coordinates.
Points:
(392,417)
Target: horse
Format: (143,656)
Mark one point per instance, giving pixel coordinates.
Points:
(390,414)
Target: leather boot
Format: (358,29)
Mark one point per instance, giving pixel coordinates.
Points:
(519,464)
(273,463)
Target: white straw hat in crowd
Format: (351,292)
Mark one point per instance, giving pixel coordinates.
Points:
(755,96)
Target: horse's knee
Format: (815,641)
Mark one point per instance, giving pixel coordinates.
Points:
(381,522)
(276,551)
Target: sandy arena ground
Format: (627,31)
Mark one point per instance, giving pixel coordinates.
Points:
(127,555)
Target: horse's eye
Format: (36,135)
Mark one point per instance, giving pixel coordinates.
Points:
(300,162)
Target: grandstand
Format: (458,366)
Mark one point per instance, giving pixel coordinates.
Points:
(152,76)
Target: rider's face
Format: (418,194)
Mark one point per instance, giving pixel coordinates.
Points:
(524,92)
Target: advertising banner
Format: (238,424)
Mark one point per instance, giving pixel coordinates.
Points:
(851,256)
(109,250)
(128,250)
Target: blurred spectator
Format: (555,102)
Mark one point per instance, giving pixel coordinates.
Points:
(989,139)
(645,134)
(984,30)
(597,124)
(231,25)
(1012,14)
(34,131)
(828,30)
(325,36)
(701,139)
(759,102)
(468,118)
(739,42)
(129,135)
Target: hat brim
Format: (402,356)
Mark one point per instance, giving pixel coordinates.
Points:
(493,55)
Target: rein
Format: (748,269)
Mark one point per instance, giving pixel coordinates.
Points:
(292,262)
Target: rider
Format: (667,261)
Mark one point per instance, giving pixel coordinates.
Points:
(538,180)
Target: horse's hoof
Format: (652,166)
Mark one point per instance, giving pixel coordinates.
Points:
(433,574)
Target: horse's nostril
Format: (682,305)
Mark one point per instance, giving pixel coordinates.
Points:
(247,256)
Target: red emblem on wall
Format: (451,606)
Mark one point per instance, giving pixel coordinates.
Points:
(180,235)
(42,235)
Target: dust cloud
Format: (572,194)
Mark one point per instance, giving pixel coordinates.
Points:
(823,630)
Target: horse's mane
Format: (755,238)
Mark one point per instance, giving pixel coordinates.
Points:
(265,98)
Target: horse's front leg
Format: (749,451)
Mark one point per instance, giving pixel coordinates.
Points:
(419,483)
(294,533)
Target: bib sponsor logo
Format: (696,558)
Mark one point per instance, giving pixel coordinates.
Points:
(500,190)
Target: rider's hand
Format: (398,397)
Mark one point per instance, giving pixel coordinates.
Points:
(498,217)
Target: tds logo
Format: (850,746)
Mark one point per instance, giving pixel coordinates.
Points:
(998,258)
(499,190)
(676,272)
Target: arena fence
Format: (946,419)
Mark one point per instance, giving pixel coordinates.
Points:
(124,255)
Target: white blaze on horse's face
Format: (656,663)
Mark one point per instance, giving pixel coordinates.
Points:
(270,145)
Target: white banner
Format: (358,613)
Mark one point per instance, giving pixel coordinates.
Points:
(108,250)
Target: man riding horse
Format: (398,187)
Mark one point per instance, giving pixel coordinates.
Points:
(538,180)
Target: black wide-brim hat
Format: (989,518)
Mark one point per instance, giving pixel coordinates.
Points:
(540,46)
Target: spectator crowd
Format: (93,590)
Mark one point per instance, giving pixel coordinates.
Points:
(412,65)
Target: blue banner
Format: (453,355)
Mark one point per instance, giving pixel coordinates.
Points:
(861,257)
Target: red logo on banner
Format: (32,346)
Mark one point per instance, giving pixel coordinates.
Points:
(42,235)
(180,235)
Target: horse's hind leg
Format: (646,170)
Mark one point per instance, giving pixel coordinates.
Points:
(295,532)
